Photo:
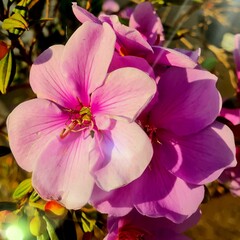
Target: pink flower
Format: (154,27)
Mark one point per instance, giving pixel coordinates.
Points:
(190,149)
(136,226)
(80,131)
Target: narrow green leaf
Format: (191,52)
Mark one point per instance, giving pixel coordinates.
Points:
(23,189)
(4,151)
(50,228)
(7,71)
(87,223)
(34,196)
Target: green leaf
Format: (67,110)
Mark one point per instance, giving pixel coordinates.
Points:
(10,206)
(23,189)
(50,228)
(15,24)
(7,71)
(4,151)
(87,223)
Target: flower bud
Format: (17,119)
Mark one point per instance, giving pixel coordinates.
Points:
(54,210)
(37,226)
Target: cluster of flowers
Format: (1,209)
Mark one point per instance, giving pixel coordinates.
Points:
(124,124)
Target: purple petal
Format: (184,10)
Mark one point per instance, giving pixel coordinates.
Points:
(172,197)
(31,126)
(129,40)
(83,15)
(156,193)
(188,101)
(126,12)
(117,202)
(62,170)
(232,115)
(194,55)
(47,80)
(169,57)
(131,61)
(87,64)
(126,92)
(199,158)
(150,228)
(126,152)
(151,29)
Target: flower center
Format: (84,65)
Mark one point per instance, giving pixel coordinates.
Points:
(79,120)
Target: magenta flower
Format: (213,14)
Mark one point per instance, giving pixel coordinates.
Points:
(132,49)
(129,41)
(190,149)
(80,131)
(147,22)
(136,226)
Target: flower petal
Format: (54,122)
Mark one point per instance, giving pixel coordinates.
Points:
(172,197)
(126,152)
(156,193)
(62,170)
(30,126)
(117,202)
(131,61)
(169,57)
(199,158)
(152,29)
(232,115)
(87,64)
(126,92)
(83,15)
(129,40)
(47,80)
(188,101)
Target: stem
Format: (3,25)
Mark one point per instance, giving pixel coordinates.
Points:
(20,45)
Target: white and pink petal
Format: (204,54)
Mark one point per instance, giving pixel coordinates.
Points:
(87,56)
(126,92)
(83,15)
(31,125)
(125,153)
(47,79)
(62,170)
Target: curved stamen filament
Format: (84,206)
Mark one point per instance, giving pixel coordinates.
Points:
(69,128)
